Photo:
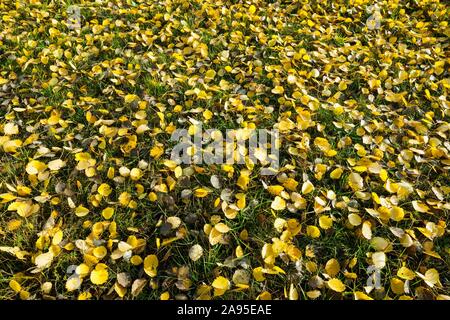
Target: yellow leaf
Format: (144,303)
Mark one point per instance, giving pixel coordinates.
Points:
(35,167)
(239,252)
(210,74)
(243,180)
(336,285)
(44,260)
(73,283)
(313,231)
(241,200)
(3,81)
(195,252)
(275,190)
(431,277)
(135,174)
(325,222)
(278,203)
(380,244)
(14,224)
(207,114)
(121,291)
(307,187)
(222,227)
(13,284)
(420,206)
(322,144)
(405,273)
(100,252)
(366,230)
(152,196)
(46,287)
(383,175)
(258,274)
(129,98)
(165,296)
(397,286)
(397,213)
(278,90)
(354,219)
(332,267)
(99,275)
(24,295)
(336,173)
(360,168)
(201,192)
(107,213)
(355,181)
(136,260)
(156,152)
(57,238)
(342,85)
(290,184)
(221,283)
(55,165)
(151,265)
(81,211)
(313,294)
(293,293)
(265,295)
(124,198)
(104,189)
(379,259)
(361,296)
(124,246)
(10,129)
(12,145)
(6,197)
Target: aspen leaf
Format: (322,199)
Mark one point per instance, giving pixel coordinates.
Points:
(336,173)
(195,252)
(332,267)
(313,231)
(55,165)
(405,273)
(104,189)
(35,167)
(397,213)
(81,211)
(278,90)
(325,222)
(15,286)
(44,260)
(397,286)
(336,285)
(201,193)
(420,206)
(151,265)
(73,283)
(137,286)
(355,181)
(367,230)
(99,275)
(379,259)
(220,285)
(361,296)
(278,204)
(107,213)
(307,187)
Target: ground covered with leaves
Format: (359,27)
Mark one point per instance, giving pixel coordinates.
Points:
(92,207)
